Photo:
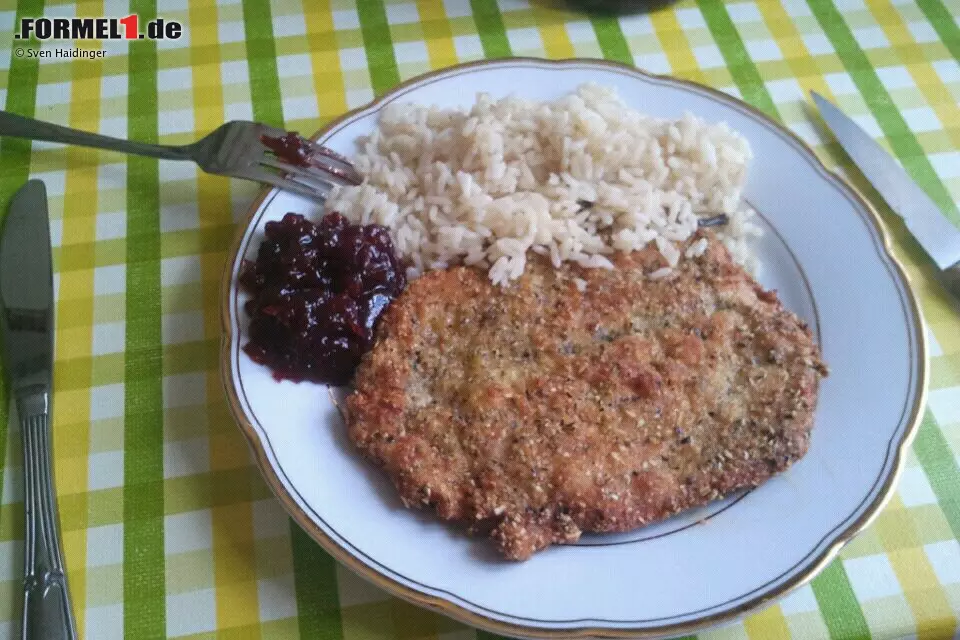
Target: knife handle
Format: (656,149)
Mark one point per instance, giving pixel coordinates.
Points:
(47,612)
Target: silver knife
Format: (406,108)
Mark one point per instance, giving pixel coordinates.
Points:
(937,235)
(26,300)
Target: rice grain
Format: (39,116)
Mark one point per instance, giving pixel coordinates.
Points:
(575,179)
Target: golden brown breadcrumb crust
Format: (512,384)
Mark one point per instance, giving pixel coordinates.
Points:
(538,411)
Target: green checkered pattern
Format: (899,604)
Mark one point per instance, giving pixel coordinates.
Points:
(168,529)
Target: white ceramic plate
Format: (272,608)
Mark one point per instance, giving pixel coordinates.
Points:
(824,251)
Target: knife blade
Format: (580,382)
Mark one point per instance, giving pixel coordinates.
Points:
(935,233)
(26,289)
(27,322)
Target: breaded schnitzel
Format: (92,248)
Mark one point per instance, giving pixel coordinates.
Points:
(539,411)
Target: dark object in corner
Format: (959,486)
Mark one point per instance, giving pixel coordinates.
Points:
(612,7)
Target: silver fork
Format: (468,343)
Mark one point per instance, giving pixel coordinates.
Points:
(236,149)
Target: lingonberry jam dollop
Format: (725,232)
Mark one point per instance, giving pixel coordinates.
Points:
(317,291)
(289,147)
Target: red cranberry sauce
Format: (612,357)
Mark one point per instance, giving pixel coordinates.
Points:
(290,147)
(317,291)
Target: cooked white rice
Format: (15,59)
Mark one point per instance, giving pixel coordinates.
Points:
(576,179)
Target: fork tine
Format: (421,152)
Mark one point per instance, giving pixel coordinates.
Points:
(341,165)
(320,157)
(316,169)
(317,156)
(260,174)
(303,173)
(344,170)
(272,132)
(319,149)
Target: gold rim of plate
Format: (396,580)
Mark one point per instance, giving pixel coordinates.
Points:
(446,607)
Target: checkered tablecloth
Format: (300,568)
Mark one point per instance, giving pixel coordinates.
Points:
(168,529)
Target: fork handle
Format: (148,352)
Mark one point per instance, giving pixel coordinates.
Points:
(47,613)
(19,126)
